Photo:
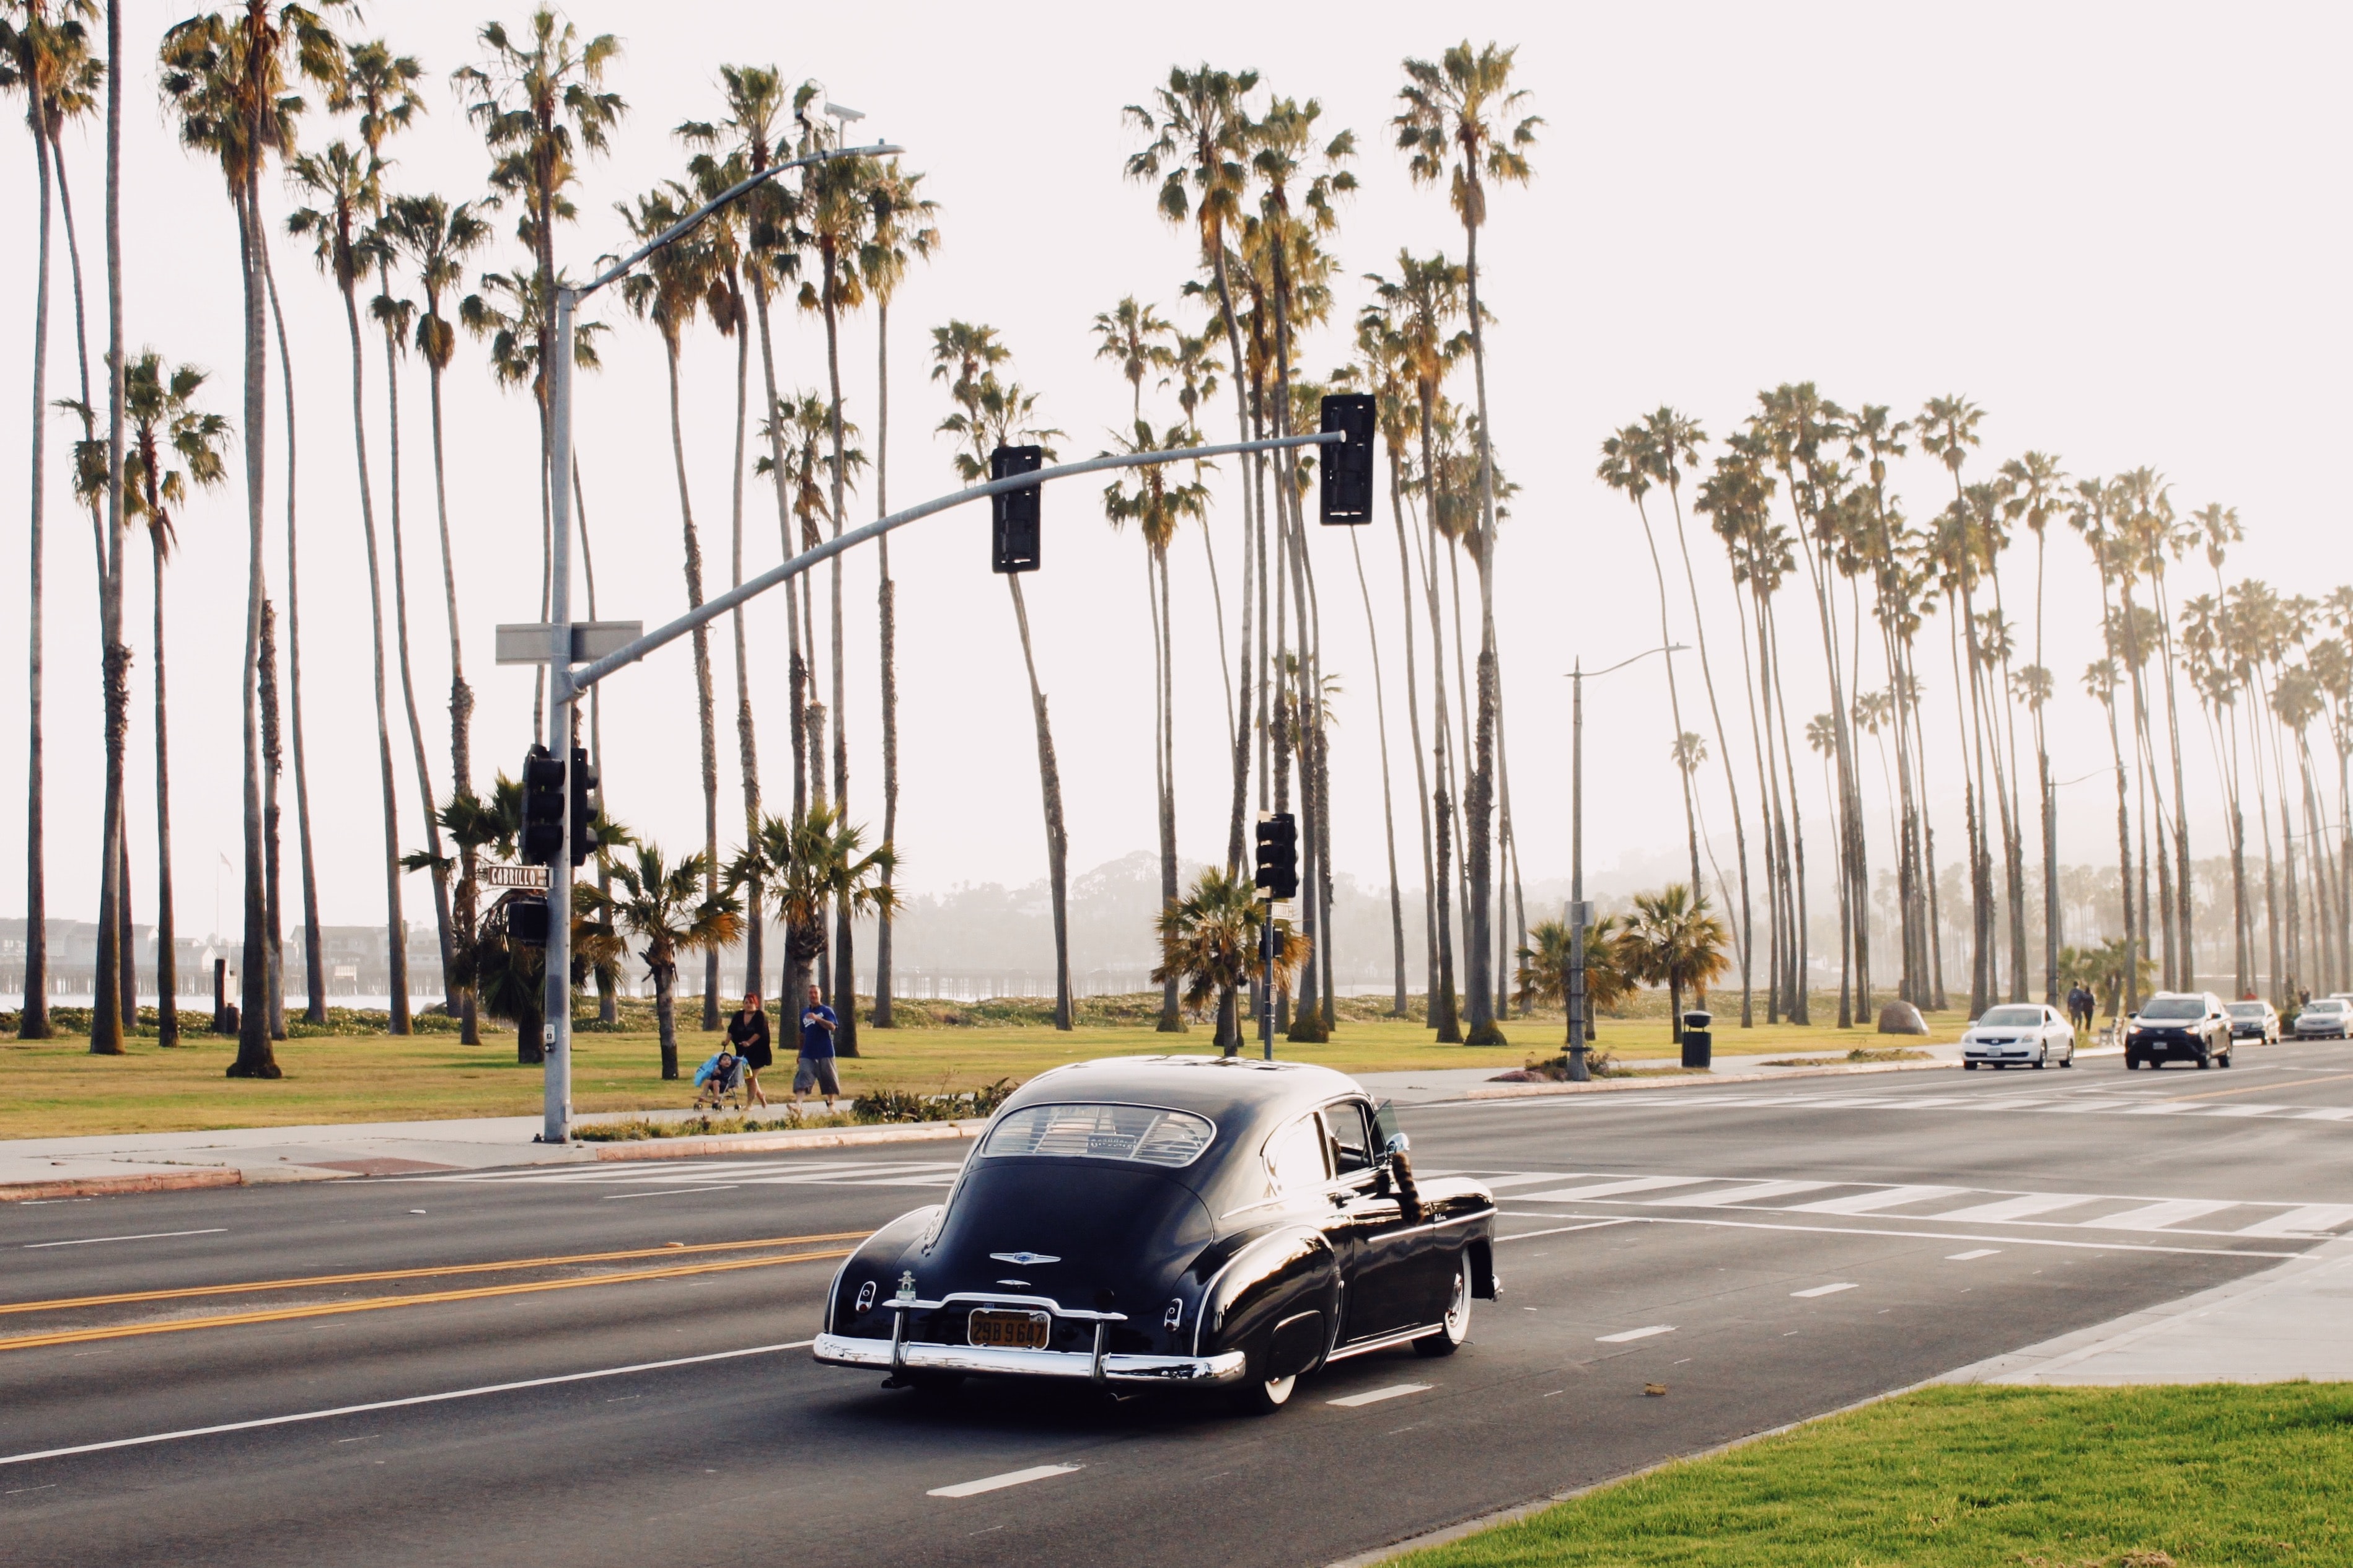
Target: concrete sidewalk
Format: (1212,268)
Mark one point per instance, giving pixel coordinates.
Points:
(2277,1326)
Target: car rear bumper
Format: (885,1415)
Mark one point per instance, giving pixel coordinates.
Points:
(914,1355)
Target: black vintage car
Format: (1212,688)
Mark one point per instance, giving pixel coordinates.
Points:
(1185,1221)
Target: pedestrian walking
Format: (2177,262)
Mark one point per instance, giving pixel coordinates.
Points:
(747,1031)
(815,1070)
(2080,1004)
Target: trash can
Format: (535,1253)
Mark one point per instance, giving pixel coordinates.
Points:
(1699,1044)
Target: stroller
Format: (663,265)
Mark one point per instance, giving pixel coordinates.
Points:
(718,1081)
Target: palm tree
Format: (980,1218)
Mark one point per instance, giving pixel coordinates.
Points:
(1544,968)
(1157,507)
(2035,498)
(1672,940)
(41,54)
(899,231)
(1454,125)
(808,864)
(346,182)
(665,905)
(1133,337)
(992,413)
(231,75)
(540,109)
(1212,943)
(438,239)
(1200,136)
(668,291)
(166,426)
(834,212)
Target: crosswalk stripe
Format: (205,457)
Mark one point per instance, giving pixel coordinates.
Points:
(2152,1217)
(2305,1219)
(1610,1189)
(1752,1190)
(1871,1202)
(2023,1207)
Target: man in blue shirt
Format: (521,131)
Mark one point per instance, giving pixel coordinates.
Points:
(814,1069)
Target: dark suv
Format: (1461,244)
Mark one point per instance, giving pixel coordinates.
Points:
(2177,1025)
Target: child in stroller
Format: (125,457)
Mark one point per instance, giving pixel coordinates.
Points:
(719,1080)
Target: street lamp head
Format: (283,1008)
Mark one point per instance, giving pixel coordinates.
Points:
(837,111)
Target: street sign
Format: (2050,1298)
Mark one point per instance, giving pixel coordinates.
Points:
(533,642)
(532,877)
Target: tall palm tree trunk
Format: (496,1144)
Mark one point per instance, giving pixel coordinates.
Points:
(1441,1002)
(254,1057)
(747,750)
(396,927)
(1479,802)
(887,611)
(1675,700)
(425,795)
(314,959)
(845,950)
(33,1018)
(1253,526)
(167,972)
(108,1025)
(273,768)
(1724,752)
(1413,721)
(1388,801)
(1164,759)
(1050,788)
(705,714)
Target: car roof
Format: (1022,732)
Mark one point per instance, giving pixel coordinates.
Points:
(1224,1089)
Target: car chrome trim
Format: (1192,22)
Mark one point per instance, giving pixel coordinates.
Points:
(843,1349)
(1365,1347)
(904,1304)
(1023,1260)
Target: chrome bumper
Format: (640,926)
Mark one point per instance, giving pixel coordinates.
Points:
(914,1355)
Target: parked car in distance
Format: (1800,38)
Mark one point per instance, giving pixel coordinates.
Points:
(2020,1034)
(2257,1021)
(2324,1018)
(2174,1025)
(1180,1221)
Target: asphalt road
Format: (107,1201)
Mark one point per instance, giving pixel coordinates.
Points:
(1764,1252)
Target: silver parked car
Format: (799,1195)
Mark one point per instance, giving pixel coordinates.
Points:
(2020,1034)
(2257,1021)
(2324,1018)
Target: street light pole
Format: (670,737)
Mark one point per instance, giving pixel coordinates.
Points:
(555,1030)
(1580,913)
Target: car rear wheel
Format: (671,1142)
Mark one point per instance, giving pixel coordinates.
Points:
(1259,1394)
(1455,1326)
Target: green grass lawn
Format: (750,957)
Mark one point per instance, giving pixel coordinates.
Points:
(2128,1478)
(56,1089)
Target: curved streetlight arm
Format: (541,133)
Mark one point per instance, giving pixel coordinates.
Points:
(686,224)
(587,675)
(1597,674)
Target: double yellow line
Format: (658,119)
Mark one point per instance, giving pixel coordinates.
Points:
(379,1303)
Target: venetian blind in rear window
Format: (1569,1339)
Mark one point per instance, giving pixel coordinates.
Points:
(1144,1134)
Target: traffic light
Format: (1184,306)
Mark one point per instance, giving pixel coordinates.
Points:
(1014,514)
(543,806)
(1347,465)
(527,922)
(1278,855)
(585,784)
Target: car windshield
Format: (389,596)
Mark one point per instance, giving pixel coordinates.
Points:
(2010,1018)
(2174,1007)
(2246,1009)
(1143,1133)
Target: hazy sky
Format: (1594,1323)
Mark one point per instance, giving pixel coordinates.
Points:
(2109,225)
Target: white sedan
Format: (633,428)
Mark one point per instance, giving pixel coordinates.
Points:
(2020,1034)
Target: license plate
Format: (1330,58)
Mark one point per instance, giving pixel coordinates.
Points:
(1009,1330)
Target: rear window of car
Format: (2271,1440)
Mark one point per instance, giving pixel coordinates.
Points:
(2010,1018)
(2176,1007)
(2324,1005)
(1149,1135)
(2246,1009)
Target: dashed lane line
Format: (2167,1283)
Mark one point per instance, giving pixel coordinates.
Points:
(1374,1395)
(399,1403)
(1823,1290)
(149,1235)
(1009,1479)
(1632,1334)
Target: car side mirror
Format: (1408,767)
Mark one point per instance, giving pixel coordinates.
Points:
(1399,1143)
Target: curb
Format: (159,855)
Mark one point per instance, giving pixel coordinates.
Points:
(810,1138)
(109,1186)
(1696,1081)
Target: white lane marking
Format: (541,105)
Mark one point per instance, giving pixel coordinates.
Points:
(1888,1198)
(666,1193)
(1736,1195)
(1009,1479)
(2152,1217)
(1928,1235)
(2306,1219)
(1564,1229)
(2020,1207)
(1634,1334)
(2327,1114)
(1374,1396)
(1973,1253)
(150,1236)
(400,1403)
(1823,1290)
(1610,1189)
